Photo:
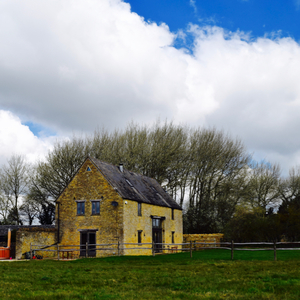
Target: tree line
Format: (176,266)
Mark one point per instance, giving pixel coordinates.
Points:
(209,173)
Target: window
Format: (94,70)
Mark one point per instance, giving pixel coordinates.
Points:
(172,213)
(173,234)
(80,207)
(139,208)
(156,223)
(140,236)
(88,169)
(95,207)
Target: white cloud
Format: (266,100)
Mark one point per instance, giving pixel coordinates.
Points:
(255,84)
(16,138)
(75,65)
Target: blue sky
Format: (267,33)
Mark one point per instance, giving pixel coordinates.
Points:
(39,130)
(259,17)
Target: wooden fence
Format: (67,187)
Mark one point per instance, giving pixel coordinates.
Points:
(88,250)
(249,246)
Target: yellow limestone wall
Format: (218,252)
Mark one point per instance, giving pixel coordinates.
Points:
(114,224)
(90,185)
(35,236)
(133,223)
(203,238)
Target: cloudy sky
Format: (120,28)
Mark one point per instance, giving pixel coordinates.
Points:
(69,66)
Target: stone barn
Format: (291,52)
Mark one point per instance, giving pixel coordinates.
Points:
(105,204)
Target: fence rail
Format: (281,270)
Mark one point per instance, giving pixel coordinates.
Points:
(90,250)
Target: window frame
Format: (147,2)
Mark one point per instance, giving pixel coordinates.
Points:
(80,204)
(140,232)
(139,209)
(97,203)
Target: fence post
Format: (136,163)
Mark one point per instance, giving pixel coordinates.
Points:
(30,251)
(118,248)
(275,256)
(86,250)
(232,248)
(191,253)
(153,248)
(57,251)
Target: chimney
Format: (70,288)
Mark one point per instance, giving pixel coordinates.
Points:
(121,167)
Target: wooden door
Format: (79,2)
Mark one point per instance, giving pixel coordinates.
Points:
(157,234)
(90,238)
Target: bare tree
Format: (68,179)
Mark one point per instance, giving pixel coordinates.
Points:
(155,151)
(289,188)
(204,166)
(14,182)
(29,210)
(61,164)
(262,189)
(216,180)
(5,208)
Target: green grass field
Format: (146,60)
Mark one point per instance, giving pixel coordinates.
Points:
(210,274)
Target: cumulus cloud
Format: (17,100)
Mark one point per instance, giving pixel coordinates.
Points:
(16,138)
(255,84)
(75,65)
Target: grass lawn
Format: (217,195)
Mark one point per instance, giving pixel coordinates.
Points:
(210,274)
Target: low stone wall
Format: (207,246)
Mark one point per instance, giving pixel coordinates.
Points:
(35,236)
(203,238)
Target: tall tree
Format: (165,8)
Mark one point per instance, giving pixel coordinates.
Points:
(217,174)
(289,188)
(155,151)
(46,215)
(5,207)
(289,210)
(204,167)
(29,210)
(14,183)
(61,164)
(262,189)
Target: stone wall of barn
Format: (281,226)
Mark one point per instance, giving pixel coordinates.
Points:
(134,223)
(203,238)
(89,185)
(35,236)
(114,224)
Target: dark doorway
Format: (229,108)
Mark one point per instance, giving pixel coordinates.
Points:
(88,237)
(157,234)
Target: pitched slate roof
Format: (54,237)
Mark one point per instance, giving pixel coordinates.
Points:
(133,186)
